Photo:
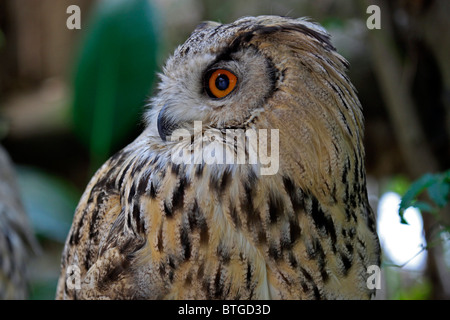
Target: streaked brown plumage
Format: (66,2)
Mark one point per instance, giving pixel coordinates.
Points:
(17,242)
(148,228)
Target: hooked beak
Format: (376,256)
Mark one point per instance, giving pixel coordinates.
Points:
(165,123)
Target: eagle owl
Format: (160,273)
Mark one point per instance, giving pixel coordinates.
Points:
(161,220)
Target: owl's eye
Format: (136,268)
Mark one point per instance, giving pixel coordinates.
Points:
(220,83)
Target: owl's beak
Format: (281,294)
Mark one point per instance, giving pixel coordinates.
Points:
(166,125)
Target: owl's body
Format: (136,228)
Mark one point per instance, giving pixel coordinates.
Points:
(149,228)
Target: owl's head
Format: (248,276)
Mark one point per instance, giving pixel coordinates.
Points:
(264,72)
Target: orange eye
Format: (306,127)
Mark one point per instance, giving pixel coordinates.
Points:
(220,83)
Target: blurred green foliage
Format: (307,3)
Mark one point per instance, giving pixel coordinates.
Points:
(49,201)
(431,195)
(437,187)
(114,74)
(419,291)
(398,184)
(43,290)
(333,23)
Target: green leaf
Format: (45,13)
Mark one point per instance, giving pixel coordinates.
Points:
(439,192)
(114,74)
(438,188)
(424,207)
(402,218)
(416,188)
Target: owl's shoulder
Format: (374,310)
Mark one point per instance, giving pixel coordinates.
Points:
(105,232)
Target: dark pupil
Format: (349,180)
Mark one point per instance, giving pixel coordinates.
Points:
(222,82)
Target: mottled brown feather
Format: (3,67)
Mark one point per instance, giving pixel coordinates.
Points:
(148,228)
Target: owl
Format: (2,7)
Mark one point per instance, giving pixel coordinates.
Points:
(248,181)
(17,243)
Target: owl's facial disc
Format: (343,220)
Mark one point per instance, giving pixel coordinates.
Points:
(224,88)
